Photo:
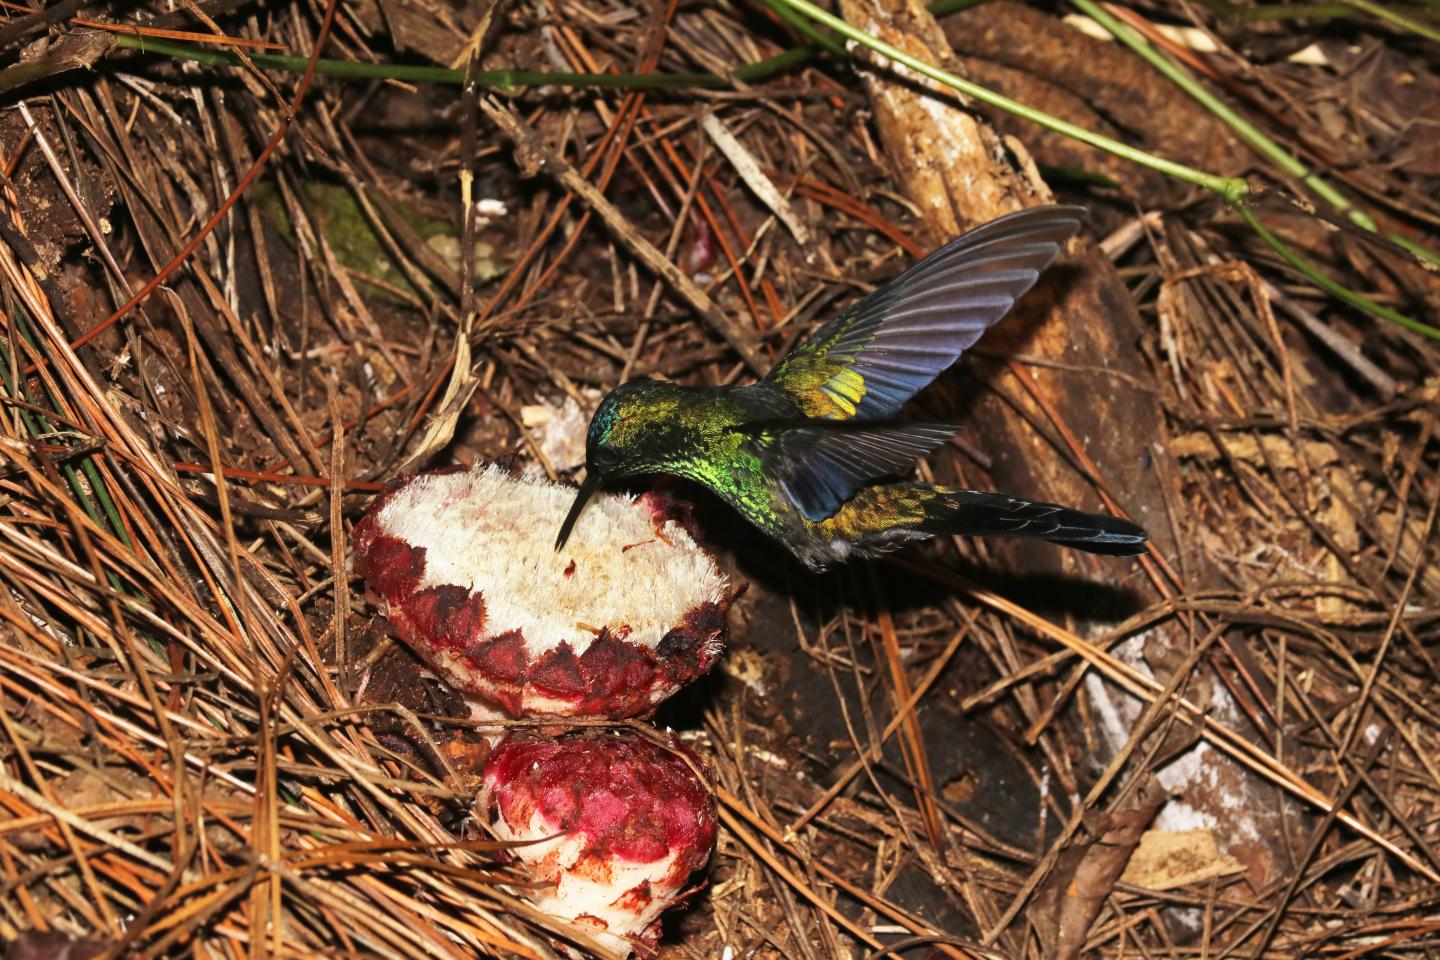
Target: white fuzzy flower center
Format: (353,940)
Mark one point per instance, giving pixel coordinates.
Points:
(494,534)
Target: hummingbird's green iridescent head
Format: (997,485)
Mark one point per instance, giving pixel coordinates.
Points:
(614,445)
(603,454)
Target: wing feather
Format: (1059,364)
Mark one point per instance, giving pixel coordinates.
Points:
(823,462)
(881,351)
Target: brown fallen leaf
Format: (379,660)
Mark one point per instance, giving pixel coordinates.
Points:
(1166,860)
(1070,899)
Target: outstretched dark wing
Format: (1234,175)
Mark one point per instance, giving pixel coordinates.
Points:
(821,463)
(881,351)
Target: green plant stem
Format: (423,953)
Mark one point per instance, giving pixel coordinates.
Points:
(1298,11)
(511,79)
(779,63)
(355,70)
(1394,17)
(1279,11)
(497,79)
(831,43)
(805,27)
(941,8)
(1313,273)
(86,491)
(1230,188)
(1247,131)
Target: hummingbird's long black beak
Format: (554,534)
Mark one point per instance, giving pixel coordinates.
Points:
(587,489)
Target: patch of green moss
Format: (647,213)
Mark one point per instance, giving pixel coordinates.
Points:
(356,245)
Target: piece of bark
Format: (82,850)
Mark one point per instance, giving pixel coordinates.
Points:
(79,50)
(417,30)
(948,160)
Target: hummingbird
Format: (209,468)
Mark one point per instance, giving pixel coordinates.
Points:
(813,454)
